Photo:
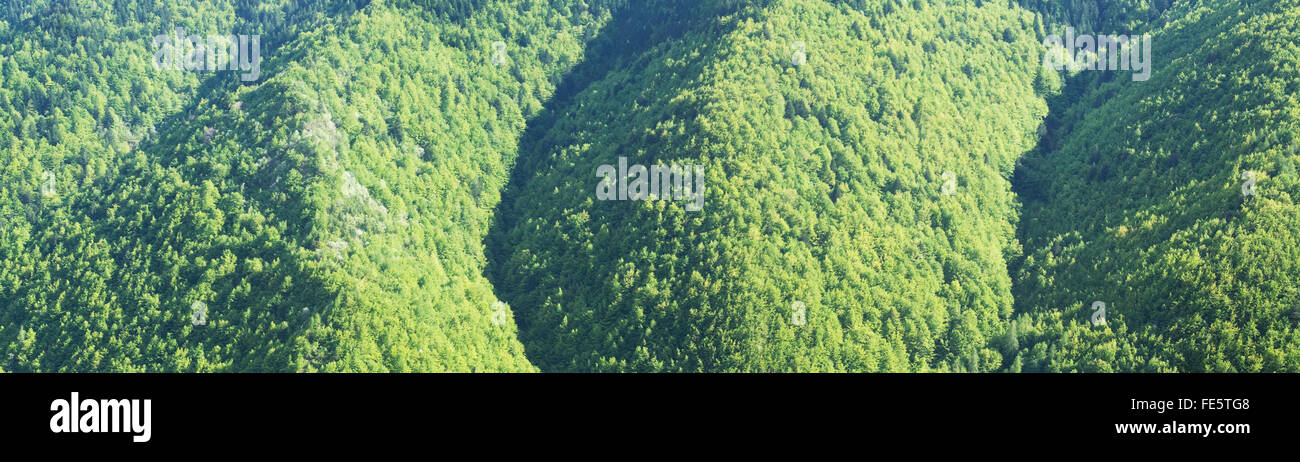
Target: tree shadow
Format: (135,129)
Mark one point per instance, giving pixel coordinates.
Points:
(623,46)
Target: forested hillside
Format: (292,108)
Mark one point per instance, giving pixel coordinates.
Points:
(1100,16)
(824,203)
(415,185)
(1173,202)
(80,102)
(327,218)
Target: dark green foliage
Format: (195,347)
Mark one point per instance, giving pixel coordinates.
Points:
(410,177)
(824,187)
(329,216)
(1137,202)
(1100,16)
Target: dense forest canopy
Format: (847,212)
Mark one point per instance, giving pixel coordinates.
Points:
(811,200)
(889,185)
(1172,202)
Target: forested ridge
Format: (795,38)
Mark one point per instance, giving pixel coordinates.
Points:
(1136,199)
(889,186)
(891,274)
(327,218)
